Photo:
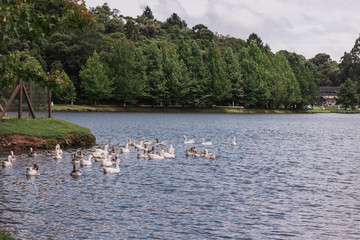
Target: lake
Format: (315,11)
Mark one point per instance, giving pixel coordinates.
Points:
(294,176)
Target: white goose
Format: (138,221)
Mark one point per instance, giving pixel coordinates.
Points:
(106,162)
(169,155)
(188,141)
(86,163)
(13,157)
(7,163)
(57,147)
(163,143)
(113,170)
(75,172)
(33,171)
(209,155)
(99,153)
(131,143)
(32,153)
(154,156)
(205,143)
(171,149)
(233,142)
(125,149)
(57,154)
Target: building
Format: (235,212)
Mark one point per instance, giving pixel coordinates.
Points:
(327,96)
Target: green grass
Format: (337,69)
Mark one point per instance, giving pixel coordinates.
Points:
(40,127)
(5,236)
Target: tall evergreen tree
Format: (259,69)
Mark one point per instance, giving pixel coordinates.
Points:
(123,73)
(256,90)
(233,73)
(347,95)
(157,91)
(95,83)
(219,86)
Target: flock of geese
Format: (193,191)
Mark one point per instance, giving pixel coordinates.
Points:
(145,150)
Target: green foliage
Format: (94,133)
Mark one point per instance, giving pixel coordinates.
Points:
(66,93)
(347,95)
(126,75)
(175,20)
(233,74)
(5,236)
(153,62)
(326,71)
(218,86)
(95,83)
(148,13)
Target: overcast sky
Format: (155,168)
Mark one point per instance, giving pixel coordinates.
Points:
(306,27)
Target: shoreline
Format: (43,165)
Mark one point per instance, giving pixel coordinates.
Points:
(162,109)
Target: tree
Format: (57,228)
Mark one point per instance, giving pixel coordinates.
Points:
(347,95)
(29,21)
(95,84)
(256,91)
(156,91)
(326,70)
(175,20)
(123,72)
(131,30)
(304,76)
(219,87)
(254,37)
(233,73)
(148,13)
(66,94)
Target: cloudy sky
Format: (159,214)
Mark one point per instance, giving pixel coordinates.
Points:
(306,27)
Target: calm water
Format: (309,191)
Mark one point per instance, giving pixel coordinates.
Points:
(289,177)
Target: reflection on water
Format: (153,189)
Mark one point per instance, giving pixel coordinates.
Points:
(289,177)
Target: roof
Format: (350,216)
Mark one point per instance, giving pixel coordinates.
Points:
(328,91)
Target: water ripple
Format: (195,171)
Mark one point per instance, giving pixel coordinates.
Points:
(289,177)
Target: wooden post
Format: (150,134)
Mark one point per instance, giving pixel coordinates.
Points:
(20,87)
(10,100)
(20,98)
(30,96)
(31,109)
(49,102)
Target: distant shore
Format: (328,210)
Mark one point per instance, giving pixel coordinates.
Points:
(161,109)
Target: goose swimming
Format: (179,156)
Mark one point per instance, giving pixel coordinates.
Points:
(7,163)
(125,149)
(75,172)
(205,143)
(233,142)
(32,153)
(33,171)
(188,141)
(108,170)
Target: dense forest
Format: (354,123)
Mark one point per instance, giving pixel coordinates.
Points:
(115,59)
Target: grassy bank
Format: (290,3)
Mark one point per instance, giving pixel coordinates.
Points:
(40,127)
(42,133)
(5,236)
(78,108)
